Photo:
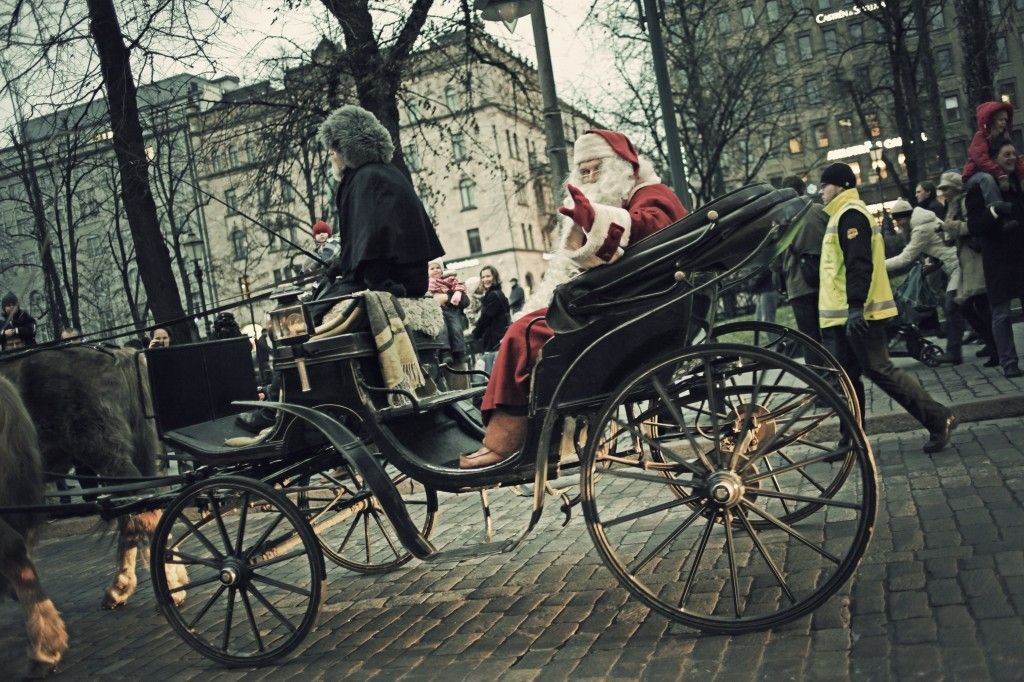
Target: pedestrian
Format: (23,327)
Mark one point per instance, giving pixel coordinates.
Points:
(766,296)
(516,296)
(1000,229)
(927,198)
(386,236)
(971,295)
(325,246)
(800,265)
(926,240)
(494,317)
(17,327)
(995,124)
(855,299)
(614,198)
(161,338)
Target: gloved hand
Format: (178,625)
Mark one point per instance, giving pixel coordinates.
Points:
(856,325)
(582,212)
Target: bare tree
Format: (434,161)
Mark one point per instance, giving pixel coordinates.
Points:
(974,20)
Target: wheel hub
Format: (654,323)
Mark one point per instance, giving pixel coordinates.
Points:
(725,488)
(231,572)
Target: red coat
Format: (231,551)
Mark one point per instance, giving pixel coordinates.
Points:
(650,209)
(979,154)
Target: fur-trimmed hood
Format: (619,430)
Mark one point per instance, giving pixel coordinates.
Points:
(357,135)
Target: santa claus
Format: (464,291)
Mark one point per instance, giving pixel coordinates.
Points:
(613,199)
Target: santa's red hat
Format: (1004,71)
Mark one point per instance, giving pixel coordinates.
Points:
(321,226)
(602,144)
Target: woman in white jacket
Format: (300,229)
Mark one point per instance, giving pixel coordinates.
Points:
(926,240)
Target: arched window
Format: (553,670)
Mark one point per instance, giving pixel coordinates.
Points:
(467,192)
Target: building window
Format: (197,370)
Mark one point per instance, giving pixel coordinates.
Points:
(287,192)
(467,193)
(937,17)
(527,235)
(944,62)
(747,16)
(796,144)
(831,40)
(231,200)
(459,146)
(238,244)
(473,237)
(771,8)
(779,52)
(788,97)
(1008,92)
(951,105)
(724,25)
(813,91)
(412,158)
(856,31)
(821,135)
(250,151)
(1002,53)
(217,160)
(845,126)
(451,98)
(264,197)
(521,191)
(233,161)
(803,46)
(874,125)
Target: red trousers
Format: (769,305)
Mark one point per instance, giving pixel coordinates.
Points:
(510,379)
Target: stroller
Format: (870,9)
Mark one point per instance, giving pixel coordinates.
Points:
(915,300)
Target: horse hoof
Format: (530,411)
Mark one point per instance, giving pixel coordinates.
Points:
(37,670)
(111,602)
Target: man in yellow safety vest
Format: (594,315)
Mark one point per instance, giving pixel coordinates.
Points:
(855,298)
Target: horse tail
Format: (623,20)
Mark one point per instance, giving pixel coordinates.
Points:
(21,471)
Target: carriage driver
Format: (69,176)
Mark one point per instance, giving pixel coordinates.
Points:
(855,299)
(613,199)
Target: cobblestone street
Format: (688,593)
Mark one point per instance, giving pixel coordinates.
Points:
(940,593)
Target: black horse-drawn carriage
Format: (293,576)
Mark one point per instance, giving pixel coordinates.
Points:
(727,485)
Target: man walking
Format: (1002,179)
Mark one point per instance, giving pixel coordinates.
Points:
(855,298)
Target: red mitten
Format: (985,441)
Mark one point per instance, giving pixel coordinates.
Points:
(582,212)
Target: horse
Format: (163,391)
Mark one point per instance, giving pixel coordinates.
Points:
(21,484)
(89,406)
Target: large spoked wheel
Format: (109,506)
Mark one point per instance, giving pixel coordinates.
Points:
(708,544)
(350,523)
(255,571)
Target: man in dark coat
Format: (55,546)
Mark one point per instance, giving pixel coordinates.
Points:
(800,266)
(18,328)
(1000,229)
(386,237)
(516,297)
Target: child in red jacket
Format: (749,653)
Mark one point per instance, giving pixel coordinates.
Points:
(995,120)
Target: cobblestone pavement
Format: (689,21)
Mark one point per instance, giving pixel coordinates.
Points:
(939,594)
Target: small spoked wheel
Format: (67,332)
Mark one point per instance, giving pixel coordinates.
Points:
(255,571)
(350,523)
(741,493)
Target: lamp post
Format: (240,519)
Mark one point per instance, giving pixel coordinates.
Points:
(193,245)
(509,12)
(877,164)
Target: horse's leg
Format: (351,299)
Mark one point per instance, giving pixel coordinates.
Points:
(135,532)
(47,637)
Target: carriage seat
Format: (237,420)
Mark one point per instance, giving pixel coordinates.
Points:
(208,442)
(694,244)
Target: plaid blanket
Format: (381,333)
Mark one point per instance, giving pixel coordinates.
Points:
(399,365)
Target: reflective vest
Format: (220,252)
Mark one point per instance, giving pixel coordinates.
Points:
(832,305)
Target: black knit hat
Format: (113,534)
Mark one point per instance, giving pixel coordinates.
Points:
(839,174)
(9,299)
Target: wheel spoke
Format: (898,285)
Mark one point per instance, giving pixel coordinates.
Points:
(775,483)
(664,506)
(700,555)
(674,456)
(278,559)
(270,607)
(280,585)
(230,550)
(709,386)
(766,449)
(741,443)
(242,517)
(677,414)
(366,535)
(228,618)
(764,554)
(384,532)
(807,498)
(351,528)
(263,536)
(252,619)
(649,478)
(189,560)
(206,607)
(799,465)
(804,474)
(194,530)
(792,532)
(195,583)
(667,541)
(731,551)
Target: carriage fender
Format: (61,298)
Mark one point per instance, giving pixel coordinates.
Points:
(355,453)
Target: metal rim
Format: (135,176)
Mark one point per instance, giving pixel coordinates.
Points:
(660,536)
(255,571)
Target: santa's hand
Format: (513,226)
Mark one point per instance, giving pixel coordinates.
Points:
(582,212)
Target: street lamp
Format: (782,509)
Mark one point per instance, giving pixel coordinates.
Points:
(508,12)
(193,245)
(877,164)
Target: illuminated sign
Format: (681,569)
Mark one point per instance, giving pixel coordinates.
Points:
(859,149)
(856,10)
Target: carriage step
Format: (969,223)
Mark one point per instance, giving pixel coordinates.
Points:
(421,405)
(470,551)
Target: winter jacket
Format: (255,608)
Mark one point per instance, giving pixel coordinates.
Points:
(24,326)
(968,249)
(1001,249)
(979,153)
(493,321)
(801,260)
(925,240)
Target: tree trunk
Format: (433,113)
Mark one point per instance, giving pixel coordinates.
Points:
(975,24)
(931,82)
(129,147)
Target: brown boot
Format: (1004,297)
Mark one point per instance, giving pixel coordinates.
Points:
(504,435)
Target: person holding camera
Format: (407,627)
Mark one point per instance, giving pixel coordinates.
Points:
(161,338)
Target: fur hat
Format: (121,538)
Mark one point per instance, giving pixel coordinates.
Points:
(951,180)
(357,135)
(602,144)
(9,299)
(901,208)
(321,226)
(839,174)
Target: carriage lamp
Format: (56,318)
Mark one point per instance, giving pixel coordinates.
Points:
(292,324)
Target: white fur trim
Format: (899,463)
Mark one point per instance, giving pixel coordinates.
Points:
(561,268)
(590,146)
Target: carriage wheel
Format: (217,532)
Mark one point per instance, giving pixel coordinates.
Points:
(687,544)
(255,571)
(350,523)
